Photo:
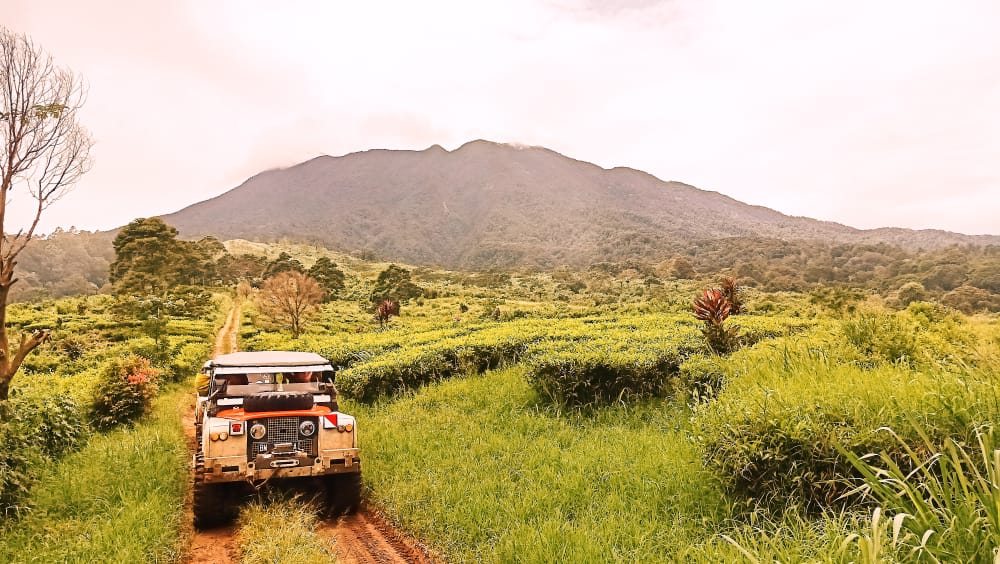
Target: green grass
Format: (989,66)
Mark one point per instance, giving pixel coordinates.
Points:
(119,499)
(948,509)
(484,472)
(281,529)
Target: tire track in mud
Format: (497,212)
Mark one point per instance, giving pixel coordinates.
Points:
(366,538)
(212,546)
(362,538)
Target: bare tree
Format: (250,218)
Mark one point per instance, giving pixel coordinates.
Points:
(289,299)
(44,152)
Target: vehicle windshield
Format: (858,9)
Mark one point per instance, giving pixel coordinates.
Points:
(240,385)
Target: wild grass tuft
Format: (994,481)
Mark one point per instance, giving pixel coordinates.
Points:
(281,529)
(947,509)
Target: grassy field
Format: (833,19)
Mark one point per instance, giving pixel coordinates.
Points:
(119,499)
(484,472)
(530,423)
(725,458)
(74,494)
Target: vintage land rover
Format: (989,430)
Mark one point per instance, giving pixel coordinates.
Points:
(271,416)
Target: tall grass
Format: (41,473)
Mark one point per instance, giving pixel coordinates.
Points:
(281,529)
(483,471)
(945,510)
(119,499)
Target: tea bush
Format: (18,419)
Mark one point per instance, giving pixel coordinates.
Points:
(700,378)
(189,360)
(882,337)
(771,433)
(586,376)
(124,392)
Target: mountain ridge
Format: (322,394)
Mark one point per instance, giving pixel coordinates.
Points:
(489,204)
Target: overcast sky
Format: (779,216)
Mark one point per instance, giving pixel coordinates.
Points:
(871,114)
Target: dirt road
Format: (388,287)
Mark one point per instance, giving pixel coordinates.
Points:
(363,538)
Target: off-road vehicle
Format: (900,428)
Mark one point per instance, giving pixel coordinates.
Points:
(271,416)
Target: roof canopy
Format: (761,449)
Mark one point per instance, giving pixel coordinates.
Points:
(269,358)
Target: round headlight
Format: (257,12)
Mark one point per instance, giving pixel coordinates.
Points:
(349,427)
(307,428)
(257,431)
(341,428)
(223,435)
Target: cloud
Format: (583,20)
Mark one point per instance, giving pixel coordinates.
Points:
(862,113)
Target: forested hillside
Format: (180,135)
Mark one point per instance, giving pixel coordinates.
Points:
(64,263)
(490,205)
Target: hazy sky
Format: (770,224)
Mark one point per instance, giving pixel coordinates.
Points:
(866,113)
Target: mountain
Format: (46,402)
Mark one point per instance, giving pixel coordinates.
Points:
(487,204)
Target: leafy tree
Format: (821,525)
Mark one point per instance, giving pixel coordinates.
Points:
(911,292)
(986,276)
(147,257)
(681,267)
(284,263)
(199,260)
(289,299)
(330,278)
(243,267)
(43,152)
(946,277)
(394,282)
(970,299)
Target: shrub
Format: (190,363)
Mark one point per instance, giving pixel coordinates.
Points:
(771,433)
(189,360)
(734,295)
(882,337)
(700,377)
(16,475)
(159,353)
(944,511)
(124,392)
(73,346)
(37,429)
(713,309)
(585,376)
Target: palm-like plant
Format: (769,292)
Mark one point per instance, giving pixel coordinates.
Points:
(385,311)
(712,308)
(734,294)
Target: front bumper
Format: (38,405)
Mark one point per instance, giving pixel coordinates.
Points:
(281,465)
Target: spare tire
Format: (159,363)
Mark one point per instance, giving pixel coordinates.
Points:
(278,401)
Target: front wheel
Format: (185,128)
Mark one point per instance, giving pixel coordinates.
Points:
(215,504)
(343,493)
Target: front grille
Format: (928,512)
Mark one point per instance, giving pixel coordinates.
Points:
(281,430)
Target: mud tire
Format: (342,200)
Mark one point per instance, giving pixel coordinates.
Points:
(343,493)
(278,401)
(215,504)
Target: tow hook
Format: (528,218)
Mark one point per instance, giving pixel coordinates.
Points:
(284,463)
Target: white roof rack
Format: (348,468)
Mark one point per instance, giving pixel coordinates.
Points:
(305,361)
